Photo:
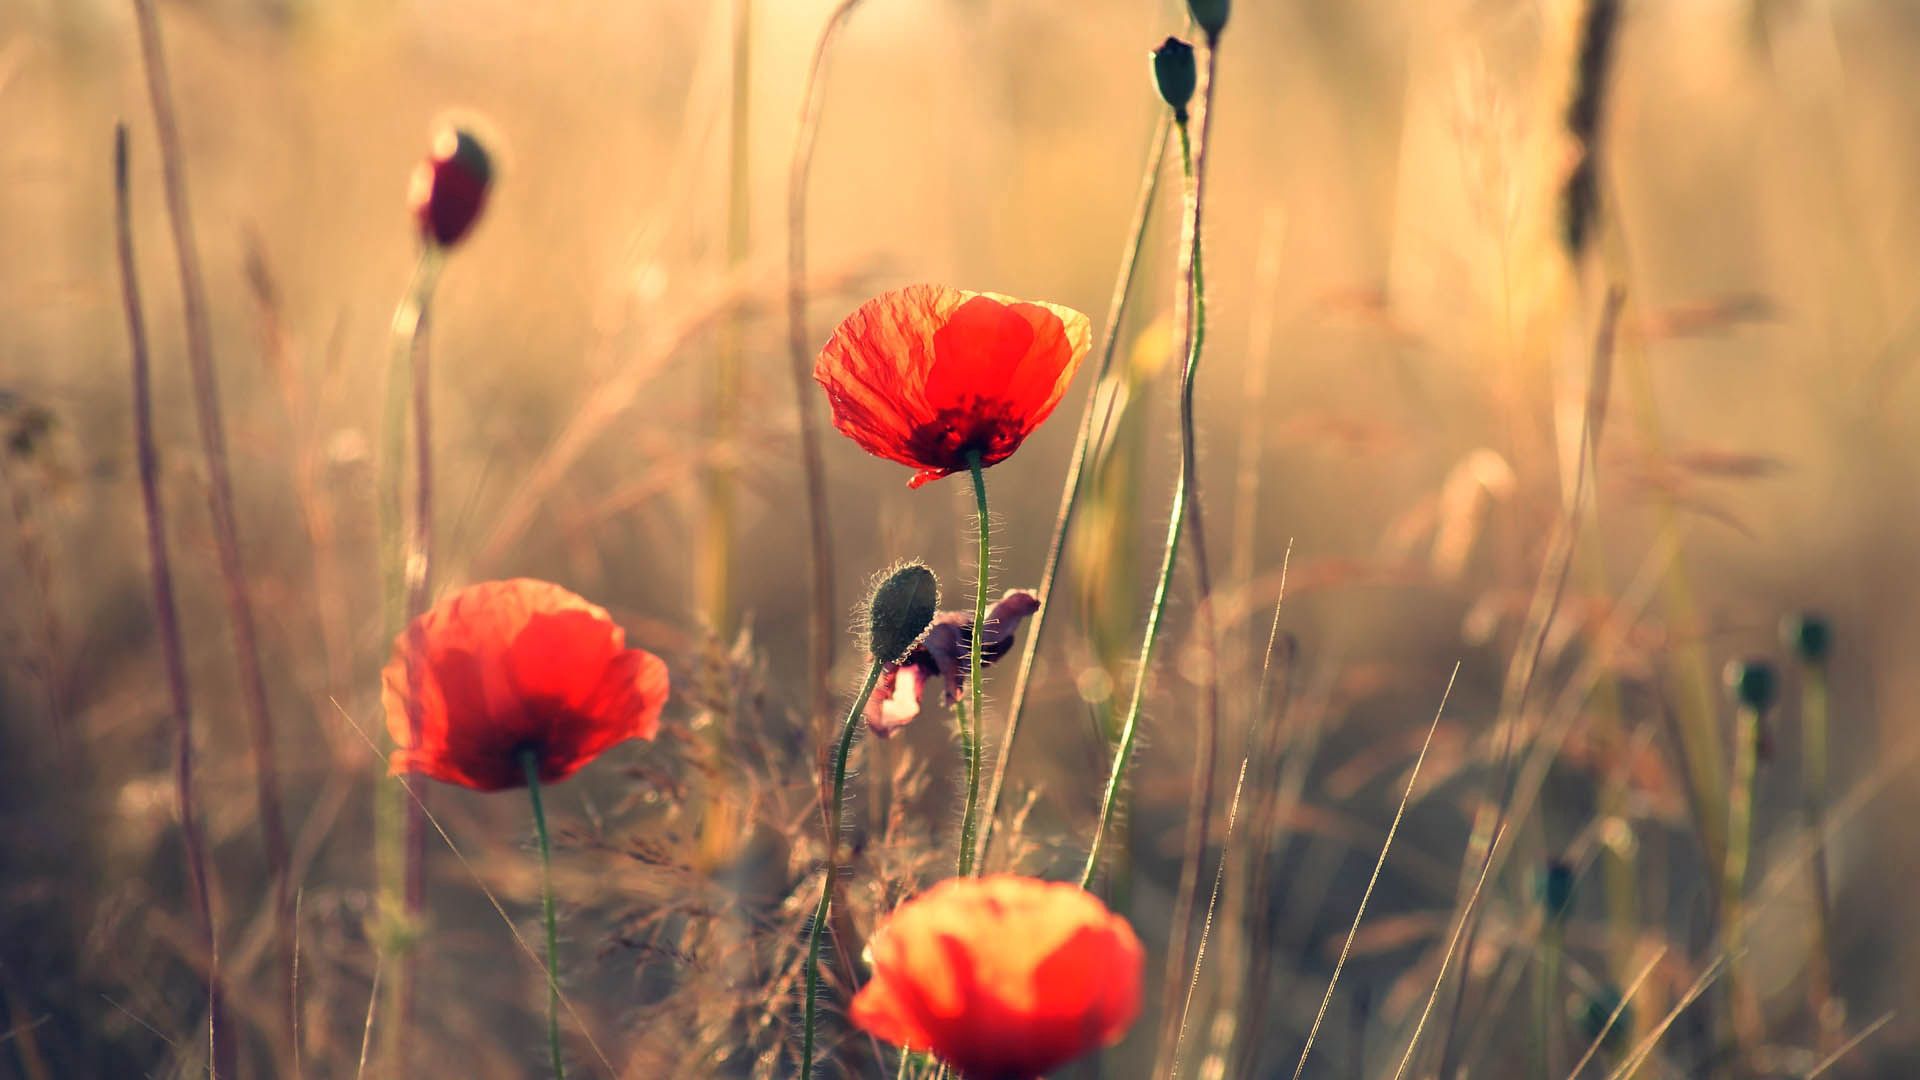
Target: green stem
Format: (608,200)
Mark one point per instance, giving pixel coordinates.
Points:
(401,822)
(825,907)
(531,763)
(1077,470)
(1813,742)
(1739,843)
(1176,523)
(970,737)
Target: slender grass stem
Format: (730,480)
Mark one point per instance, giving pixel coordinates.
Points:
(403,555)
(531,763)
(226,529)
(167,617)
(1746,736)
(1076,471)
(820,636)
(969,817)
(1187,894)
(1814,700)
(824,909)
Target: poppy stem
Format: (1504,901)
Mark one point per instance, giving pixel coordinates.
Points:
(1746,735)
(1077,469)
(825,908)
(970,739)
(531,763)
(1185,490)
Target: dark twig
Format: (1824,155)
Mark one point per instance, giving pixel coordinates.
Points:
(166,616)
(226,530)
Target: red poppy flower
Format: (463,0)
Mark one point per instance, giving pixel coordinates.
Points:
(508,666)
(1003,977)
(450,188)
(927,375)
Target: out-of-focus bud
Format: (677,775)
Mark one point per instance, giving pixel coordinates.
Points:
(1809,636)
(1210,16)
(1752,683)
(902,608)
(450,187)
(1176,75)
(1556,888)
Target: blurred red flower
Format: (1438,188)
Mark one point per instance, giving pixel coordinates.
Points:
(1003,977)
(449,189)
(503,667)
(928,374)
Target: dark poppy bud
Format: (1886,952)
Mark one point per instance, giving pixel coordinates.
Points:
(1176,74)
(1809,636)
(901,610)
(1596,1008)
(1752,683)
(450,187)
(1209,15)
(1556,888)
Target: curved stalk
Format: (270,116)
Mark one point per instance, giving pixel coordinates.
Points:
(1076,472)
(825,908)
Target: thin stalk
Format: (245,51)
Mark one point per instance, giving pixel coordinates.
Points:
(715,556)
(1177,522)
(969,818)
(1193,162)
(820,635)
(1814,699)
(531,763)
(1546,989)
(166,615)
(1746,735)
(226,530)
(1076,470)
(824,909)
(402,821)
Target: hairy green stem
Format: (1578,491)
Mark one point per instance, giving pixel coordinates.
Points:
(1176,525)
(824,909)
(970,737)
(1076,472)
(531,763)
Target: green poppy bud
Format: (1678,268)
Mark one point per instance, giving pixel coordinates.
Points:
(1210,15)
(1752,683)
(1809,636)
(901,609)
(1176,74)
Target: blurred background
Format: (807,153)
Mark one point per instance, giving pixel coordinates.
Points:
(1398,360)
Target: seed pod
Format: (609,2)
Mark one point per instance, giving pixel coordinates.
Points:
(1752,683)
(1175,73)
(901,609)
(1210,15)
(1809,636)
(450,187)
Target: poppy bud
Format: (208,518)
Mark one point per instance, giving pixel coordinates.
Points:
(1809,636)
(1175,73)
(450,187)
(1210,15)
(1751,682)
(901,609)
(1556,888)
(1596,1008)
